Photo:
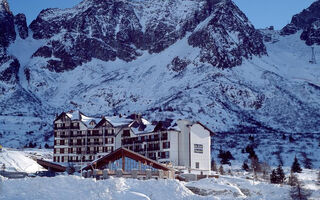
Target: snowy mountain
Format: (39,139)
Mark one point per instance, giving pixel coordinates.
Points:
(195,59)
(309,22)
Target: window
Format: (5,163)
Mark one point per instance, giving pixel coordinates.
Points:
(126,133)
(198,148)
(167,154)
(197,165)
(164,136)
(61,142)
(61,151)
(166,145)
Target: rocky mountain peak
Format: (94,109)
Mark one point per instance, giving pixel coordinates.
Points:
(4,6)
(308,21)
(108,30)
(7,32)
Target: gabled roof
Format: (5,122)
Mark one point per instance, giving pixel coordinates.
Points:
(205,127)
(61,115)
(123,152)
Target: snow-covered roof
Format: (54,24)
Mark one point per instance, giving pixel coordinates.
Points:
(118,121)
(86,120)
(79,116)
(141,126)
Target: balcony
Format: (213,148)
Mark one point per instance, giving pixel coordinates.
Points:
(94,143)
(66,127)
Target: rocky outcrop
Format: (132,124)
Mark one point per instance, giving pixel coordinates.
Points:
(227,38)
(110,30)
(7,31)
(21,23)
(9,68)
(309,22)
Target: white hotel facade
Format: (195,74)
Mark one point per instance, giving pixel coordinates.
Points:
(82,139)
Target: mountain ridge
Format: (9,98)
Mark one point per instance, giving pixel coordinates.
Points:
(203,62)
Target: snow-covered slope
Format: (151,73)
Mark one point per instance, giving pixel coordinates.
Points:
(184,67)
(21,161)
(223,188)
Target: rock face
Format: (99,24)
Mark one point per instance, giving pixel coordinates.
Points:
(21,24)
(227,37)
(8,66)
(309,22)
(110,30)
(9,70)
(7,32)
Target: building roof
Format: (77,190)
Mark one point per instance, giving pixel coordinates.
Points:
(205,127)
(52,166)
(123,152)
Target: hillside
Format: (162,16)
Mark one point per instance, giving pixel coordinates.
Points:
(121,57)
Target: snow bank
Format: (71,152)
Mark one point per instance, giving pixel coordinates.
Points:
(20,161)
(71,187)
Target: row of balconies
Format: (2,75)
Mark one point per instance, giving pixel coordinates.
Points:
(88,143)
(83,135)
(83,152)
(135,141)
(65,127)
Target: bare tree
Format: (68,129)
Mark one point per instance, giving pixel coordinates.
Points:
(221,171)
(292,179)
(265,169)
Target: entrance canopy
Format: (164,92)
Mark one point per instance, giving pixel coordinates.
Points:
(126,160)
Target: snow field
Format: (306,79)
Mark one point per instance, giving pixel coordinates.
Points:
(73,187)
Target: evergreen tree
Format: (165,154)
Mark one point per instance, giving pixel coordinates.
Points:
(295,168)
(225,156)
(245,166)
(46,146)
(280,174)
(277,176)
(30,145)
(273,177)
(299,193)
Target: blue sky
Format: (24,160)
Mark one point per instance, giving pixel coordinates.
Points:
(262,13)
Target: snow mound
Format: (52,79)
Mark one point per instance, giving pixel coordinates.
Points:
(15,160)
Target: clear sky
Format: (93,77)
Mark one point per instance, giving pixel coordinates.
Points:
(261,13)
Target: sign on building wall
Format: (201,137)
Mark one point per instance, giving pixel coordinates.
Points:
(198,148)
